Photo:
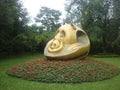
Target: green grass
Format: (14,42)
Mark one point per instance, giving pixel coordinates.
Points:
(12,83)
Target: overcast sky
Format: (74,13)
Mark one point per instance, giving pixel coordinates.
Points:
(33,6)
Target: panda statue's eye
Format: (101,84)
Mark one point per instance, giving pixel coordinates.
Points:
(62,34)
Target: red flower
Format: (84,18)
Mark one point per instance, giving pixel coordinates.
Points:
(14,67)
(32,75)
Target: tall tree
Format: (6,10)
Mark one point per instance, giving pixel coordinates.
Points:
(98,17)
(13,20)
(49,18)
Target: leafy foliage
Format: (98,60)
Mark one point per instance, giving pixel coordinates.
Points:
(49,18)
(34,39)
(13,20)
(99,18)
(16,36)
(71,71)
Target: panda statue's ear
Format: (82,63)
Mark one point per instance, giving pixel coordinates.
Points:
(73,26)
(64,23)
(82,37)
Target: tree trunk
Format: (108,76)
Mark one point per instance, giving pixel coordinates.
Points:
(104,40)
(104,44)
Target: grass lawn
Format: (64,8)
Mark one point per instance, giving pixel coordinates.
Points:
(12,83)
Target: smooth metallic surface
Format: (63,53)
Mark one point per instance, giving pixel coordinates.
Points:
(69,42)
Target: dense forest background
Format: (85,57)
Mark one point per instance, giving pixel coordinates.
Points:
(99,18)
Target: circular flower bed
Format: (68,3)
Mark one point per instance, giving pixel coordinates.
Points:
(72,71)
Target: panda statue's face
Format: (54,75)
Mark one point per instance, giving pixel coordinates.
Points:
(69,42)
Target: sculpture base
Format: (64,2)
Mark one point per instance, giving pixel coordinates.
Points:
(69,71)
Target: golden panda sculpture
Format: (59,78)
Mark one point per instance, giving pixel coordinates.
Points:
(69,42)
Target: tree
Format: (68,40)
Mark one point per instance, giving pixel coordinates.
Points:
(13,20)
(98,17)
(49,18)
